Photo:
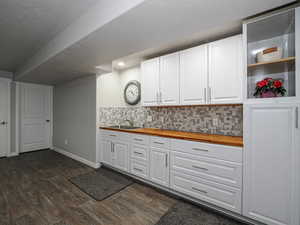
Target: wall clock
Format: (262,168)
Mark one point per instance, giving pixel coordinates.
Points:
(132,92)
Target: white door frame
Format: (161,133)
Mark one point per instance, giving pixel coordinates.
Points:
(8,81)
(18,115)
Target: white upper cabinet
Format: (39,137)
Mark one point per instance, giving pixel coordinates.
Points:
(150,82)
(207,74)
(169,79)
(225,71)
(271,164)
(193,76)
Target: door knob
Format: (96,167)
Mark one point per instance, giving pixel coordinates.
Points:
(3,123)
(48,121)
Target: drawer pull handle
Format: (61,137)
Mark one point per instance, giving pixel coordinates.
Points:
(200,168)
(112,135)
(138,153)
(199,149)
(166,160)
(199,190)
(159,143)
(137,169)
(137,139)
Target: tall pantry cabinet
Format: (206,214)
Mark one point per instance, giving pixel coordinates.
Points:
(271,177)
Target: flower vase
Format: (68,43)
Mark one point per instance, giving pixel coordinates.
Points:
(268,94)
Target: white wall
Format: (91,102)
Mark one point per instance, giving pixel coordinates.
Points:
(74,117)
(109,90)
(126,76)
(111,87)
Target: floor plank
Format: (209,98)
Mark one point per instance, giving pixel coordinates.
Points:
(35,190)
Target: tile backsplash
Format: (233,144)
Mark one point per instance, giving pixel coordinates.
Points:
(189,118)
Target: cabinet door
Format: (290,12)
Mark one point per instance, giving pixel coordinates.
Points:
(169,79)
(159,166)
(150,82)
(120,155)
(193,76)
(225,71)
(106,149)
(271,164)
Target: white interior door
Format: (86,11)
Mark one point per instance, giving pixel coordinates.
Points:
(4,116)
(36,111)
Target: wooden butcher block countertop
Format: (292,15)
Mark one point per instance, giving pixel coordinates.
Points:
(201,137)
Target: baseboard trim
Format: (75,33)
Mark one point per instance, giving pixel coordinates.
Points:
(77,158)
(12,154)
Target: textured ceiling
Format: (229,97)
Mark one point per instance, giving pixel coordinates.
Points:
(27,25)
(152,24)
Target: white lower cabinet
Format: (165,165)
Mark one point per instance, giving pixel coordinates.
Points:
(159,166)
(120,155)
(139,169)
(272,164)
(206,172)
(139,159)
(216,170)
(221,195)
(106,146)
(115,152)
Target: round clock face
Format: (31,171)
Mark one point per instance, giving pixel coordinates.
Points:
(132,92)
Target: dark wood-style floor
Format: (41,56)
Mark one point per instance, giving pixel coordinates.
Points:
(34,190)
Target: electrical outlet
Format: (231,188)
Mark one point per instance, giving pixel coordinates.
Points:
(66,142)
(215,122)
(149,118)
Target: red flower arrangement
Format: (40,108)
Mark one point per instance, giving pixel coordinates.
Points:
(269,87)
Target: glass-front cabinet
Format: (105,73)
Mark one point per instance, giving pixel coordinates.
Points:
(272,56)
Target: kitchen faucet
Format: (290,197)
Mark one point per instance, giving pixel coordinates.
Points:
(130,122)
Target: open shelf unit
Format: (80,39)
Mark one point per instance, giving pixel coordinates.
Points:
(277,31)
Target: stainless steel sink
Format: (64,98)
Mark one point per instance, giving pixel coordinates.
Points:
(124,127)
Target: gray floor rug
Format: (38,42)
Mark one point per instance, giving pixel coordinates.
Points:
(102,183)
(187,214)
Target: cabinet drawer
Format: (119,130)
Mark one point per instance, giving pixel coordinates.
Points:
(139,169)
(140,139)
(109,134)
(217,194)
(229,153)
(220,171)
(114,135)
(159,142)
(139,152)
